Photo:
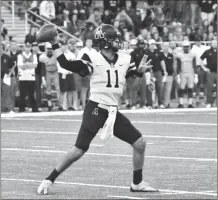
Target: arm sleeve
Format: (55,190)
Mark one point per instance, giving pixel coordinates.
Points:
(43,69)
(132,70)
(19,61)
(82,67)
(204,55)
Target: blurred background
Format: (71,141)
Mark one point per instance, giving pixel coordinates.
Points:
(141,23)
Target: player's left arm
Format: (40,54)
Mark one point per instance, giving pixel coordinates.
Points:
(82,67)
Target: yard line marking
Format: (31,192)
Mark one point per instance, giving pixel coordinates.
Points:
(142,111)
(75,133)
(106,186)
(46,147)
(136,122)
(112,155)
(125,197)
(187,141)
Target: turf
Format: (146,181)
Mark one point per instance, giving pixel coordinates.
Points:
(181,158)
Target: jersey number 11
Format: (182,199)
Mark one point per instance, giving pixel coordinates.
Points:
(109,79)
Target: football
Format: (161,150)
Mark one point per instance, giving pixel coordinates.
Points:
(46,33)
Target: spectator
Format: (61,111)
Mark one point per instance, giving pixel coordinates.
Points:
(67,85)
(88,32)
(171,37)
(205,25)
(72,7)
(198,49)
(159,20)
(188,32)
(124,20)
(31,36)
(211,70)
(178,35)
(73,25)
(86,5)
(35,8)
(4,31)
(158,39)
(49,62)
(147,16)
(60,7)
(132,45)
(207,9)
(95,18)
(117,25)
(111,5)
(27,63)
(180,11)
(154,30)
(137,21)
(13,53)
(74,47)
(211,37)
(135,84)
(6,65)
(204,37)
(143,35)
(39,73)
(195,13)
(85,80)
(210,29)
(107,17)
(170,69)
(47,10)
(165,34)
(158,68)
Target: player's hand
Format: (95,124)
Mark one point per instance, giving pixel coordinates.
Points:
(178,80)
(195,79)
(207,70)
(44,84)
(144,64)
(55,40)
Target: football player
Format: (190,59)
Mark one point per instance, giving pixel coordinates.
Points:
(108,71)
(187,74)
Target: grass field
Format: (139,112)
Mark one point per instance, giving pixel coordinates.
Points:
(181,156)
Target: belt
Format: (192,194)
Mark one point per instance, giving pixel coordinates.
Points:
(105,107)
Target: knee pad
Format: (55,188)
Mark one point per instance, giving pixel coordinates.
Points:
(181,93)
(190,92)
(49,97)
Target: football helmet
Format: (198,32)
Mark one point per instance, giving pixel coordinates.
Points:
(107,36)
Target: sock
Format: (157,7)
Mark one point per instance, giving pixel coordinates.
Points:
(54,174)
(137,176)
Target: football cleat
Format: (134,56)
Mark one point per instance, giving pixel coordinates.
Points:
(142,187)
(180,106)
(190,106)
(44,187)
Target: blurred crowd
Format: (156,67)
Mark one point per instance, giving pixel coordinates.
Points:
(172,33)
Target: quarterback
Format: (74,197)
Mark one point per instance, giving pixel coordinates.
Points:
(107,71)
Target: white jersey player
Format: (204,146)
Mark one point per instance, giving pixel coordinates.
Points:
(107,70)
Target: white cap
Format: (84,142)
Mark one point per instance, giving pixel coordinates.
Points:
(48,45)
(133,42)
(186,43)
(79,44)
(151,41)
